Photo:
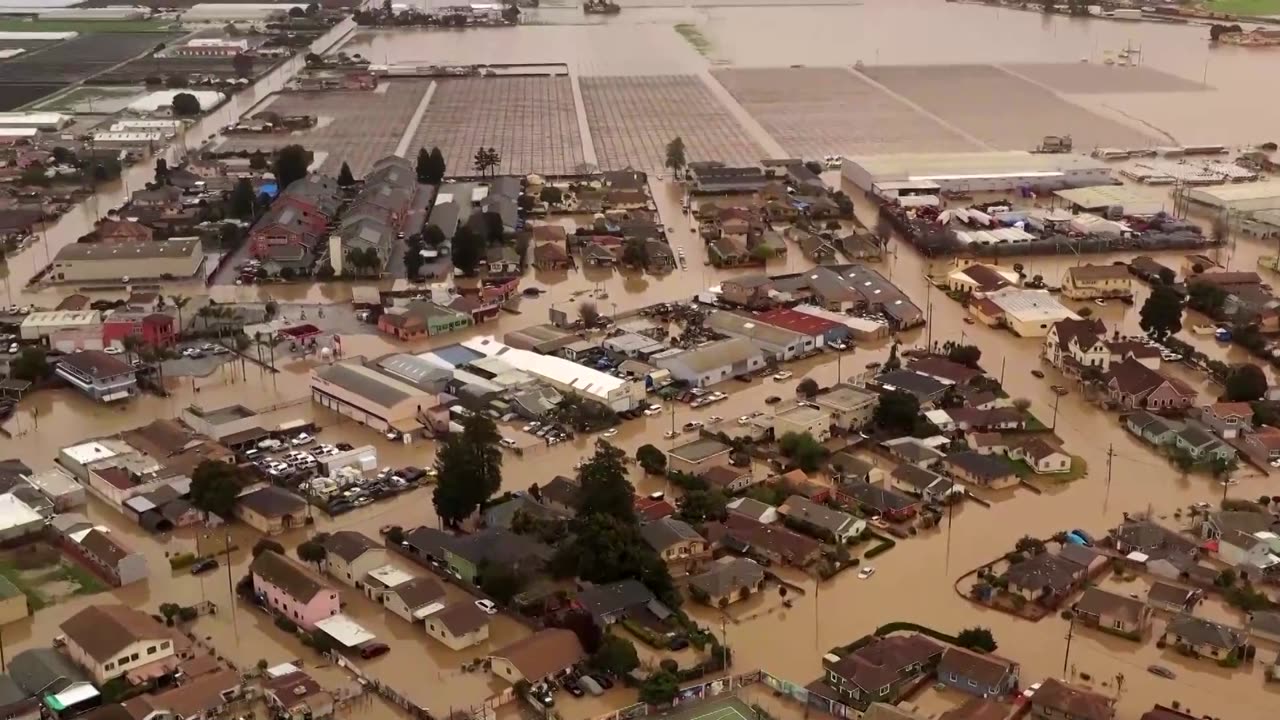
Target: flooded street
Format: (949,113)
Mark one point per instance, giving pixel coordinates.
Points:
(914,582)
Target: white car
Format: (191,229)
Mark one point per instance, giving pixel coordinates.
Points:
(487,606)
(270,444)
(866,572)
(301,439)
(715,419)
(113,350)
(1031,690)
(784,375)
(717,395)
(609,433)
(391,435)
(655,410)
(1101,302)
(507,443)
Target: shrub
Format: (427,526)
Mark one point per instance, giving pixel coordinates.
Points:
(286,624)
(669,665)
(187,613)
(181,560)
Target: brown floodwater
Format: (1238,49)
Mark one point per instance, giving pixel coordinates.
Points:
(914,581)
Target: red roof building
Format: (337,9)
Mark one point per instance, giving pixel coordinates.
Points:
(154,329)
(805,324)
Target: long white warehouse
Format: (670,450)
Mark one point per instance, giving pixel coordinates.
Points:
(565,375)
(930,173)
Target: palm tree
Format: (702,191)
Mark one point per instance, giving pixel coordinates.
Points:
(179,302)
(205,313)
(131,345)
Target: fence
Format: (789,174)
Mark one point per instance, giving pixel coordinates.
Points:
(730,685)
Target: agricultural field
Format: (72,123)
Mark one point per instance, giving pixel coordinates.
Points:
(84,26)
(1006,112)
(633,118)
(1242,7)
(531,121)
(80,58)
(13,96)
(813,112)
(92,100)
(1089,78)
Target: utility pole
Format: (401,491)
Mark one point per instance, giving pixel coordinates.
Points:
(231,588)
(1003,361)
(1067,655)
(1054,424)
(1107,493)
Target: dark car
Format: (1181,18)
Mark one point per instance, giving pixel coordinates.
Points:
(339,507)
(373,650)
(1161,671)
(203,566)
(603,679)
(570,683)
(412,474)
(1037,373)
(772,400)
(679,642)
(345,447)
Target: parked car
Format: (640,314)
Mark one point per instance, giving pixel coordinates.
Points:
(203,566)
(1058,390)
(784,375)
(772,400)
(487,606)
(1037,373)
(591,685)
(603,680)
(301,439)
(866,572)
(1161,671)
(508,443)
(570,683)
(373,650)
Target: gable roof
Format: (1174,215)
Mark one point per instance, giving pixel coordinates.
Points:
(805,510)
(746,532)
(987,670)
(1073,702)
(985,467)
(461,618)
(918,477)
(1096,601)
(662,534)
(281,572)
(878,498)
(418,592)
(940,367)
(349,545)
(728,575)
(1198,631)
(1167,594)
(601,600)
(1045,571)
(271,501)
(878,663)
(103,631)
(1133,378)
(543,653)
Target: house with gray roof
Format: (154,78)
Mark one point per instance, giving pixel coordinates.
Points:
(675,541)
(715,362)
(611,602)
(44,671)
(820,520)
(1204,637)
(727,581)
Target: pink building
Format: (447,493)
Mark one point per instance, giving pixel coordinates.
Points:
(292,592)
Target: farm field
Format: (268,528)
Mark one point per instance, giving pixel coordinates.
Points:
(92,100)
(13,96)
(81,57)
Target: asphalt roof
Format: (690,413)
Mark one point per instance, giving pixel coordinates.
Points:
(284,574)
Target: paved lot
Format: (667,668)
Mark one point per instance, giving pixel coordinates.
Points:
(1090,78)
(1005,111)
(81,57)
(814,112)
(530,120)
(633,118)
(357,126)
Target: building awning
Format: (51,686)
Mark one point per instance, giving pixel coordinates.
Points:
(345,631)
(119,395)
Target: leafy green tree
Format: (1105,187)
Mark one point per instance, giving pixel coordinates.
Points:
(897,412)
(605,489)
(469,467)
(433,236)
(1161,314)
(807,387)
(413,257)
(659,688)
(186,105)
(486,160)
(978,639)
(676,160)
(312,552)
(468,250)
(551,195)
(1246,383)
(803,450)
(242,64)
(345,178)
(292,162)
(699,506)
(501,582)
(31,364)
(967,355)
(588,313)
(616,656)
(604,549)
(1168,276)
(635,252)
(1206,297)
(267,545)
(653,460)
(258,160)
(243,199)
(214,487)
(894,362)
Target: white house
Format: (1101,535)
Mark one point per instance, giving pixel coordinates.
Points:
(111,640)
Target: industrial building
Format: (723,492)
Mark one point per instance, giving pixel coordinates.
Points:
(369,397)
(931,173)
(126,261)
(714,362)
(780,343)
(38,120)
(231,12)
(160,102)
(1115,200)
(1244,198)
(564,375)
(1030,313)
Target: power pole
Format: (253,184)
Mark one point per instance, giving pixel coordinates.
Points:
(1107,493)
(1004,360)
(1054,424)
(1067,655)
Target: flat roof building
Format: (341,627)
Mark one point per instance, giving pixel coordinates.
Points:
(1030,313)
(130,260)
(565,375)
(1129,199)
(39,120)
(713,363)
(975,171)
(1244,197)
(368,396)
(781,343)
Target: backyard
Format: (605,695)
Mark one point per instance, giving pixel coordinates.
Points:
(45,576)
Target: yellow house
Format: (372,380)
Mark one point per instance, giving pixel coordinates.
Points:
(1086,282)
(459,626)
(13,603)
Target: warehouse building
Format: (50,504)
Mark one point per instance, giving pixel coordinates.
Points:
(1248,197)
(369,397)
(1115,200)
(126,261)
(564,375)
(38,120)
(780,343)
(160,102)
(931,173)
(713,363)
(65,330)
(230,12)
(1030,313)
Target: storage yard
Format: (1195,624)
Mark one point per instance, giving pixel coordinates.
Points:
(633,118)
(814,112)
(1002,110)
(529,120)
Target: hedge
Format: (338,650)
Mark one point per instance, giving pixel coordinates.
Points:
(182,560)
(886,544)
(647,636)
(923,630)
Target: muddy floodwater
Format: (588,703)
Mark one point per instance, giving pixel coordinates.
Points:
(914,581)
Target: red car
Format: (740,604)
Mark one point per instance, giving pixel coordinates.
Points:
(373,650)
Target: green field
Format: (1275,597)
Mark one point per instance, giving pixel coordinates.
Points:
(1243,7)
(83,26)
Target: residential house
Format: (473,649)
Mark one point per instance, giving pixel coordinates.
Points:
(729,479)
(698,456)
(889,504)
(979,279)
(1043,457)
(985,676)
(822,521)
(1202,445)
(611,602)
(1204,637)
(1160,712)
(538,656)
(729,580)
(287,589)
(1147,269)
(113,231)
(1137,387)
(772,543)
(928,485)
(987,471)
(97,547)
(753,509)
(802,420)
(41,671)
(927,389)
(879,670)
(1045,578)
(1056,700)
(550,256)
(1086,282)
(1150,539)
(350,555)
(271,510)
(297,696)
(103,377)
(1152,428)
(153,329)
(1074,344)
(1265,440)
(198,698)
(1172,598)
(416,599)
(750,291)
(976,708)
(1113,613)
(111,640)
(845,467)
(849,407)
(912,451)
(1227,420)
(675,541)
(468,556)
(458,626)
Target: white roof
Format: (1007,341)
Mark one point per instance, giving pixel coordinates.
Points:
(136,136)
(77,693)
(216,43)
(33,119)
(164,98)
(15,513)
(89,452)
(1030,305)
(20,36)
(915,167)
(557,370)
(18,131)
(62,318)
(346,631)
(390,575)
(282,669)
(938,417)
(236,11)
(1228,194)
(54,482)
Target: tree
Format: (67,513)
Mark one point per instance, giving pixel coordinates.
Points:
(423,165)
(296,12)
(258,160)
(486,160)
(1030,545)
(291,165)
(635,252)
(893,362)
(653,460)
(345,178)
(605,489)
(31,364)
(604,549)
(312,552)
(676,160)
(435,167)
(214,487)
(1022,404)
(468,249)
(978,639)
(698,506)
(803,450)
(551,195)
(162,171)
(469,468)
(433,236)
(413,257)
(581,623)
(243,199)
(1161,314)
(588,313)
(967,355)
(616,656)
(501,582)
(1246,383)
(897,412)
(242,64)
(807,387)
(186,105)
(1168,276)
(659,688)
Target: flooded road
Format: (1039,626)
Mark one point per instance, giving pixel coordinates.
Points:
(914,581)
